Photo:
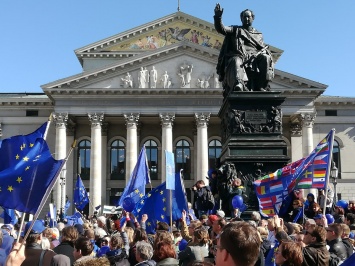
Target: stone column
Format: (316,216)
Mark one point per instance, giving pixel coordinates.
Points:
(95,160)
(166,140)
(296,138)
(131,149)
(307,132)
(307,140)
(60,120)
(202,146)
(104,153)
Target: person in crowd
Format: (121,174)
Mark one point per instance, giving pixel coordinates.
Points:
(256,217)
(346,240)
(318,219)
(82,251)
(3,254)
(198,248)
(309,212)
(235,189)
(288,253)
(297,212)
(144,254)
(265,244)
(315,252)
(299,238)
(238,245)
(55,237)
(339,214)
(139,235)
(351,206)
(328,202)
(101,230)
(271,228)
(187,231)
(89,233)
(33,251)
(310,224)
(200,197)
(350,221)
(66,247)
(336,246)
(164,252)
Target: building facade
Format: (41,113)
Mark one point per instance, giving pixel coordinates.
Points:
(156,85)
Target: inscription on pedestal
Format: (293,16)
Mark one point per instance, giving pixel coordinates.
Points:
(256,117)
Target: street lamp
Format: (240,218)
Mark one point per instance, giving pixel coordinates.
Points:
(334,176)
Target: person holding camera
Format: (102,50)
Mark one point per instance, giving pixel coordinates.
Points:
(203,198)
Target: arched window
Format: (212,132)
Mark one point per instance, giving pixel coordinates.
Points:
(151,148)
(118,160)
(183,158)
(336,156)
(84,150)
(214,151)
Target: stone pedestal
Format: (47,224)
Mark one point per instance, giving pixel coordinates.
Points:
(252,136)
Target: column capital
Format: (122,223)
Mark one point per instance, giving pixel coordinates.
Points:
(60,119)
(202,119)
(96,119)
(167,119)
(308,119)
(131,120)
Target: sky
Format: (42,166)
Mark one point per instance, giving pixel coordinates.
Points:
(39,37)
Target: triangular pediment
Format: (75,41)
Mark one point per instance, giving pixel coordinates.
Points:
(169,30)
(170,59)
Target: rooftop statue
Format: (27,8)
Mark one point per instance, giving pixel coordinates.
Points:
(245,62)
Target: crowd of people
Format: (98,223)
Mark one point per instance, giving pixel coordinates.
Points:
(202,239)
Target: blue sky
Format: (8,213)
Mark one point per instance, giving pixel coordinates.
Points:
(39,37)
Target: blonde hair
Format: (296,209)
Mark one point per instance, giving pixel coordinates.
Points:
(130,233)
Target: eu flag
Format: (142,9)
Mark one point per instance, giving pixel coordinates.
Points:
(139,178)
(9,216)
(273,190)
(27,171)
(81,197)
(157,204)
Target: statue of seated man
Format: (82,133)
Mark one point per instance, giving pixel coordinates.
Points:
(244,63)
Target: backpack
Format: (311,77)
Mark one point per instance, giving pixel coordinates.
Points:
(208,200)
(334,260)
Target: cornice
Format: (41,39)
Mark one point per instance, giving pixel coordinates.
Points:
(334,101)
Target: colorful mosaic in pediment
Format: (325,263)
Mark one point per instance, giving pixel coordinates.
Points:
(170,34)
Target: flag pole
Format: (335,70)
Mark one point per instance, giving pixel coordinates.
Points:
(171,209)
(330,162)
(49,189)
(50,118)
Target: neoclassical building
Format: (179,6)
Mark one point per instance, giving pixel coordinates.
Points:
(156,85)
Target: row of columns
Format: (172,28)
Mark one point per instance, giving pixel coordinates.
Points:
(98,155)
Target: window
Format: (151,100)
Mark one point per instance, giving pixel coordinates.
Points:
(214,151)
(336,156)
(331,112)
(151,148)
(31,113)
(183,158)
(84,159)
(118,160)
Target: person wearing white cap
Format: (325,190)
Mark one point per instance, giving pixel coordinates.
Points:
(220,213)
(100,231)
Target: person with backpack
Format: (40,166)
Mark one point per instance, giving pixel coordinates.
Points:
(203,198)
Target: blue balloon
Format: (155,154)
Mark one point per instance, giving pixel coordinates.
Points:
(342,203)
(128,204)
(330,218)
(237,202)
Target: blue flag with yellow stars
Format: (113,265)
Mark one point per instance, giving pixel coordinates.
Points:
(27,171)
(139,178)
(156,204)
(81,197)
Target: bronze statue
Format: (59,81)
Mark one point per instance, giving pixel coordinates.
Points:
(244,63)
